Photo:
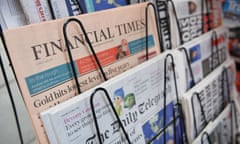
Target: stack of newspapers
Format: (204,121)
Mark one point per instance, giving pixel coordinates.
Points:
(22,12)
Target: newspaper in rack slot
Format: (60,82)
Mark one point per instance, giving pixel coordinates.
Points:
(193,19)
(41,63)
(215,14)
(212,14)
(36,11)
(164,23)
(11,14)
(65,8)
(202,61)
(211,98)
(97,5)
(189,18)
(137,96)
(219,131)
(163,20)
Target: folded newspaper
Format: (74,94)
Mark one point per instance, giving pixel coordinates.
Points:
(215,14)
(193,19)
(97,5)
(11,14)
(138,98)
(164,23)
(213,97)
(219,131)
(203,57)
(41,64)
(65,8)
(161,7)
(36,11)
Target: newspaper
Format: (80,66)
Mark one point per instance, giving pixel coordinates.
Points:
(11,14)
(135,1)
(137,96)
(164,23)
(237,117)
(219,131)
(41,63)
(36,11)
(212,98)
(212,14)
(92,6)
(199,52)
(234,50)
(231,13)
(65,8)
(215,14)
(189,16)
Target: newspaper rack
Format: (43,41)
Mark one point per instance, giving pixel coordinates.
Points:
(189,66)
(114,112)
(176,19)
(70,54)
(101,69)
(72,67)
(157,24)
(234,122)
(180,33)
(204,3)
(102,73)
(225,101)
(9,91)
(11,100)
(162,10)
(226,98)
(207,136)
(214,55)
(177,111)
(91,47)
(197,132)
(51,8)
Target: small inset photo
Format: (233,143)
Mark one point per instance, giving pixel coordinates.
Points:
(191,7)
(195,53)
(123,49)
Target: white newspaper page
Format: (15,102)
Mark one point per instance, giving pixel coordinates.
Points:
(12,14)
(137,96)
(36,11)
